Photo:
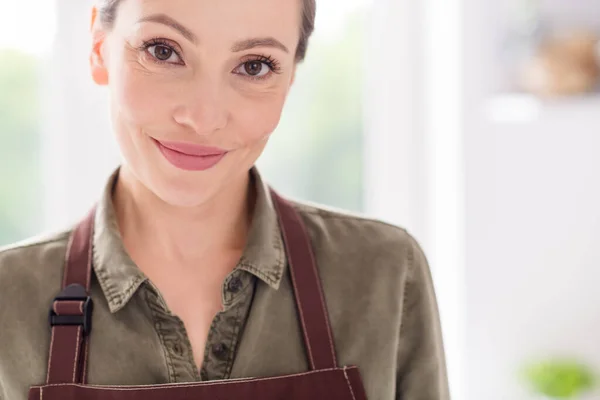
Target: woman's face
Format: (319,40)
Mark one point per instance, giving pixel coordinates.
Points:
(196,88)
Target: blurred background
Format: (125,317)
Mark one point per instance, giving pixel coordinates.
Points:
(472,123)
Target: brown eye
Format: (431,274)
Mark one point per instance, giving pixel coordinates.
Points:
(253,68)
(257,69)
(162,53)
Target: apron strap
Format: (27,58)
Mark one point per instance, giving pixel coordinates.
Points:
(308,291)
(70,316)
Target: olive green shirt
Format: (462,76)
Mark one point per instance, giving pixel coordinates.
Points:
(376,282)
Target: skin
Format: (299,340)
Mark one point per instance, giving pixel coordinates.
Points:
(186,230)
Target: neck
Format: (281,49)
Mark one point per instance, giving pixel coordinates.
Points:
(184,236)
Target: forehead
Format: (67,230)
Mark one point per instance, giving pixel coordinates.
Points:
(213,20)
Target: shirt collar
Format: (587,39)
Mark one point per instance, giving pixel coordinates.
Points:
(119,276)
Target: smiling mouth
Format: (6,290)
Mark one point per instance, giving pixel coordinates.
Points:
(189,156)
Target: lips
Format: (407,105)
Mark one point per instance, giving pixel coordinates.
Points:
(189,156)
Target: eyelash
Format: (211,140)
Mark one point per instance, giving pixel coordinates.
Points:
(159,42)
(271,63)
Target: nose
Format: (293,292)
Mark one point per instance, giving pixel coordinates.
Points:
(201,108)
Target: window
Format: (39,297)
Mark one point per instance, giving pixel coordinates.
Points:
(316,152)
(21,52)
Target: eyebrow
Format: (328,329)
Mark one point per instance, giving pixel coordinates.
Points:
(242,45)
(170,22)
(258,42)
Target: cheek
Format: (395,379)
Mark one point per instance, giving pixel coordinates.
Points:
(259,117)
(138,100)
(135,107)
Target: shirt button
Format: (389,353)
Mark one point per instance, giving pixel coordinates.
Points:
(178,349)
(235,285)
(220,351)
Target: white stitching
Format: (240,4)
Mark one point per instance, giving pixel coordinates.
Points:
(67,257)
(41,393)
(76,352)
(198,384)
(88,284)
(87,349)
(50,357)
(349,385)
(304,331)
(320,290)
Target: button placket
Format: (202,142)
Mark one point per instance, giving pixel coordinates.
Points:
(178,349)
(224,332)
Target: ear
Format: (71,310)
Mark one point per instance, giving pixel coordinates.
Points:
(97,62)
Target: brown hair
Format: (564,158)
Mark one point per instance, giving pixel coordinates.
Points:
(108,11)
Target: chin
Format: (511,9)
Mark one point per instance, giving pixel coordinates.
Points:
(180,190)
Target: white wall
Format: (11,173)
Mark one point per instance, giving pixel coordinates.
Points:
(532,227)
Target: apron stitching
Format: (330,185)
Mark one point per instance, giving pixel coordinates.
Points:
(41,393)
(87,348)
(202,384)
(298,298)
(306,339)
(76,352)
(349,385)
(325,313)
(50,359)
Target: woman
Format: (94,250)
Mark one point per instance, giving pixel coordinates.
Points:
(190,269)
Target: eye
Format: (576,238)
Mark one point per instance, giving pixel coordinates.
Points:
(259,67)
(255,68)
(164,53)
(161,51)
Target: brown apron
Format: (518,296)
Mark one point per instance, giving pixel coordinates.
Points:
(71,317)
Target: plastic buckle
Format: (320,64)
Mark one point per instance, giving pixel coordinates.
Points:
(73,292)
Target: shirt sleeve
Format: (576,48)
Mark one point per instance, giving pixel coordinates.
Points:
(421,370)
